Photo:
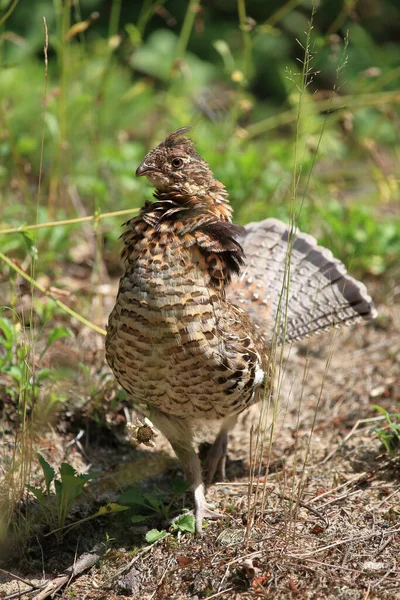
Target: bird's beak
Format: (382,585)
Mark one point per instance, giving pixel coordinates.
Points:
(143,169)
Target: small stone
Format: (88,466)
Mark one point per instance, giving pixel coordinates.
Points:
(371,565)
(129,584)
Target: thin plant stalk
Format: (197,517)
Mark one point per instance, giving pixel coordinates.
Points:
(95,217)
(114,18)
(47,293)
(336,103)
(186,30)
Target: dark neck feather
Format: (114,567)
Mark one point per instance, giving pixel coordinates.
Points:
(206,226)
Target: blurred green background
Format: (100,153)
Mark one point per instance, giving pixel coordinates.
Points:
(291,115)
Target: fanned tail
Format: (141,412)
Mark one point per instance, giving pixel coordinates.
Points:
(291,298)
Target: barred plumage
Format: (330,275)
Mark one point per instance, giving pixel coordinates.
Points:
(187,337)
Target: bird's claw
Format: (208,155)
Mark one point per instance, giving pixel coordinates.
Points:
(203,510)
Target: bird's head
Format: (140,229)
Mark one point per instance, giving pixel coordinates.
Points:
(175,166)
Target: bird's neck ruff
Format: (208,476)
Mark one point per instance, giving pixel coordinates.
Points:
(189,201)
(184,222)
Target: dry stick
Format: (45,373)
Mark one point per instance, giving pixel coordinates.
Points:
(351,481)
(382,548)
(220,593)
(225,575)
(242,483)
(304,505)
(385,576)
(353,539)
(162,577)
(84,562)
(13,576)
(19,594)
(388,497)
(337,567)
(250,484)
(342,497)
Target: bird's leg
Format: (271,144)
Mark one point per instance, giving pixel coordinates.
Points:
(216,457)
(179,434)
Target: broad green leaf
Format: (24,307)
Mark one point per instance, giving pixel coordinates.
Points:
(179,485)
(154,502)
(154,534)
(15,372)
(66,469)
(8,333)
(29,243)
(185,523)
(132,496)
(38,494)
(48,471)
(57,334)
(138,518)
(43,374)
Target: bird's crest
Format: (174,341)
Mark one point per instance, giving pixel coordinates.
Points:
(179,139)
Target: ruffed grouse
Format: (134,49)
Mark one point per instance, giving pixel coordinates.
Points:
(188,339)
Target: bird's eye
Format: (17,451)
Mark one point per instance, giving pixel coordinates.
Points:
(177,163)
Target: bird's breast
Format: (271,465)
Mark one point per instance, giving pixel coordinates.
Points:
(166,342)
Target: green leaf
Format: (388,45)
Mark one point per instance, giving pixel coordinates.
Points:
(179,486)
(139,518)
(71,486)
(57,334)
(153,501)
(8,333)
(154,534)
(43,374)
(132,496)
(38,493)
(48,472)
(185,523)
(15,372)
(29,243)
(380,409)
(66,470)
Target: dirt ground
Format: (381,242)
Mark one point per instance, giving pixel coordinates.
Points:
(327,528)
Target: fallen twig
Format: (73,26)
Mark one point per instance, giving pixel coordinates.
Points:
(84,562)
(162,577)
(351,481)
(220,593)
(311,509)
(352,539)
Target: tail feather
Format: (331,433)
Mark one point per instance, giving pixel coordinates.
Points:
(293,298)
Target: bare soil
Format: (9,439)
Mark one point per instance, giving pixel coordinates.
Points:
(328,527)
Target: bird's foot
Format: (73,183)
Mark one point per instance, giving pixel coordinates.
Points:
(203,510)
